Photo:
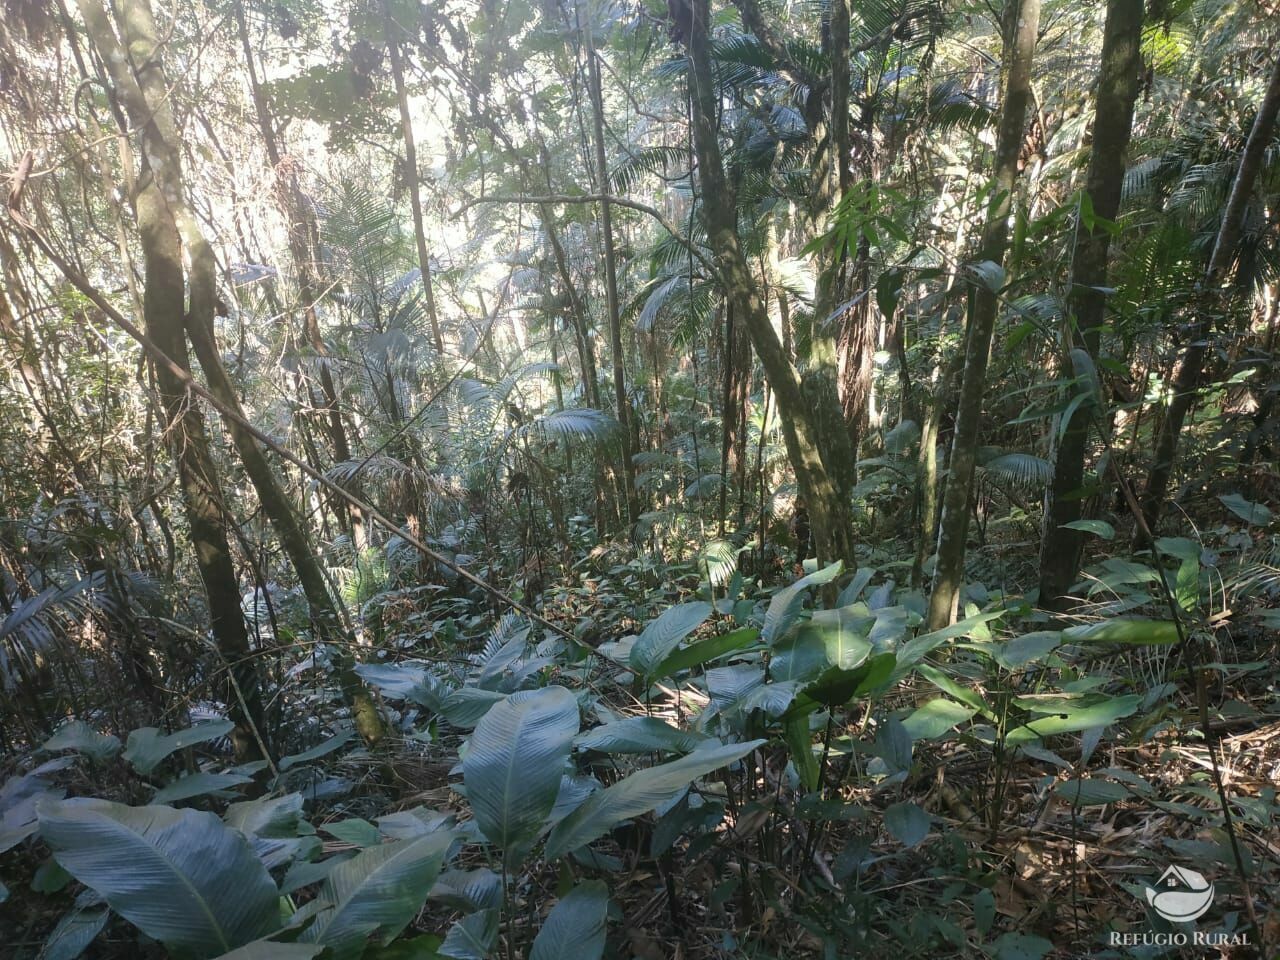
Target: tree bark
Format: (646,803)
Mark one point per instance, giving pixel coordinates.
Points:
(812,423)
(164,306)
(1022,26)
(302,238)
(412,176)
(1190,365)
(1119,77)
(626,419)
(147,102)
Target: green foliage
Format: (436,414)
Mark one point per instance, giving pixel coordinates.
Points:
(181,876)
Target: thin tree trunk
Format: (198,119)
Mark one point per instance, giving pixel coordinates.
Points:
(164,305)
(148,98)
(412,177)
(625,417)
(302,238)
(812,424)
(1022,26)
(1119,77)
(1187,372)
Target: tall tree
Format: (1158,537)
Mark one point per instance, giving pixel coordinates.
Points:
(1209,301)
(813,428)
(413,178)
(1021,27)
(131,58)
(141,83)
(1119,78)
(626,418)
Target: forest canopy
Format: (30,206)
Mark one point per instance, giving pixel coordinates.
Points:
(656,478)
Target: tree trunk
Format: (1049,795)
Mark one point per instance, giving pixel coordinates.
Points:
(302,238)
(1119,77)
(812,423)
(626,420)
(1022,25)
(1187,372)
(148,98)
(164,305)
(412,176)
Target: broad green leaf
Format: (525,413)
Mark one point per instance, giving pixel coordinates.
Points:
(467,706)
(704,651)
(468,890)
(844,635)
(1121,630)
(275,817)
(575,928)
(272,950)
(1090,793)
(933,719)
(954,688)
(353,830)
(984,911)
(182,877)
(514,764)
(377,891)
(836,687)
(1248,511)
(1018,652)
(801,655)
(1072,715)
(472,937)
(1186,585)
(907,822)
(638,794)
(795,729)
(78,928)
(784,608)
(639,735)
(661,637)
(79,736)
(915,649)
(403,681)
(1099,528)
(321,749)
(148,746)
(197,785)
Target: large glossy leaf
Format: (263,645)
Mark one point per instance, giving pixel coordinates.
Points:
(79,736)
(1140,632)
(377,891)
(784,608)
(704,651)
(795,730)
(639,735)
(661,637)
(148,747)
(933,719)
(77,929)
(637,794)
(183,877)
(472,937)
(1068,715)
(575,928)
(514,764)
(197,785)
(266,816)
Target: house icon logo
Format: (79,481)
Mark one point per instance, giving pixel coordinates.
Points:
(1180,895)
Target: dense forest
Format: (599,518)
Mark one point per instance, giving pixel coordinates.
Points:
(567,479)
